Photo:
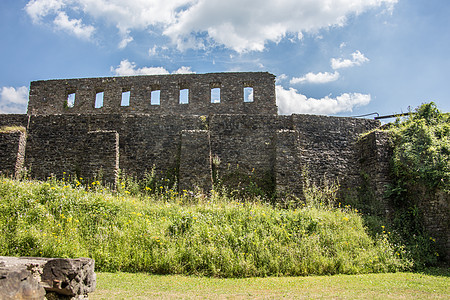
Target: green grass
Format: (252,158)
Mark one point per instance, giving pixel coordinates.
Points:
(367,286)
(190,235)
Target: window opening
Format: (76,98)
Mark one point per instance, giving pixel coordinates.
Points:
(248,94)
(215,95)
(70,99)
(184,96)
(98,100)
(155,97)
(125,98)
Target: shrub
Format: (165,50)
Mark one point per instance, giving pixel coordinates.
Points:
(420,166)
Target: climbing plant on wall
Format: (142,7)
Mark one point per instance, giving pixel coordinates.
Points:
(422,148)
(420,166)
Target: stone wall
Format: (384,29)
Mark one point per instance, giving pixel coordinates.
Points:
(67,144)
(374,152)
(327,146)
(288,167)
(12,151)
(435,208)
(195,171)
(244,148)
(102,156)
(13,120)
(51,96)
(12,143)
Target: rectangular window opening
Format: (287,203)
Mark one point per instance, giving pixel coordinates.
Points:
(155,97)
(184,96)
(215,95)
(248,94)
(125,98)
(99,99)
(70,99)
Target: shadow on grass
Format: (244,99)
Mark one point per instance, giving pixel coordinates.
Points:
(443,271)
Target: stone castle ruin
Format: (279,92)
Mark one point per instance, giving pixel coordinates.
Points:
(194,128)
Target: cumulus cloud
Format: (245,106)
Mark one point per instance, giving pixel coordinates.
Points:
(316,78)
(257,22)
(126,39)
(281,78)
(291,101)
(74,26)
(183,70)
(127,68)
(239,25)
(38,9)
(357,59)
(12,100)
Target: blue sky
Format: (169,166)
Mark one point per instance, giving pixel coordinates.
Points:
(331,57)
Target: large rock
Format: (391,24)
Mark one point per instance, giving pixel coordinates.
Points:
(53,278)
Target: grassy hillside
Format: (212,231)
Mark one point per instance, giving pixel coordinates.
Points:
(170,233)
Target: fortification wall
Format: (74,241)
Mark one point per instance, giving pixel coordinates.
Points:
(373,161)
(9,120)
(60,144)
(12,143)
(52,96)
(238,149)
(12,152)
(327,146)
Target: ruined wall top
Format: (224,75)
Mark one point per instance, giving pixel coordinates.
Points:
(183,94)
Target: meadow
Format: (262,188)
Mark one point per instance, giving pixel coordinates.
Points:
(166,232)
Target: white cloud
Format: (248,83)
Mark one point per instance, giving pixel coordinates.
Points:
(152,51)
(290,101)
(357,59)
(239,25)
(37,9)
(281,78)
(126,39)
(183,70)
(13,101)
(127,68)
(257,22)
(316,78)
(74,26)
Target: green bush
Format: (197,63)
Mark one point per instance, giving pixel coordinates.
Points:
(420,166)
(186,234)
(422,149)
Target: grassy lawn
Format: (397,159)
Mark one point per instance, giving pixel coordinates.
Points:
(433,285)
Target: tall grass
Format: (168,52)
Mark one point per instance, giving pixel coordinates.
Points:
(168,233)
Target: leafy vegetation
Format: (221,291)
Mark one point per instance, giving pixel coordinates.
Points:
(422,150)
(171,233)
(420,166)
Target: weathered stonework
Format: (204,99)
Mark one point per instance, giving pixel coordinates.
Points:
(37,278)
(193,140)
(50,97)
(12,152)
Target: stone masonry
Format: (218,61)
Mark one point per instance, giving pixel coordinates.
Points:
(194,128)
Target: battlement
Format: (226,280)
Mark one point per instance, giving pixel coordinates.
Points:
(180,94)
